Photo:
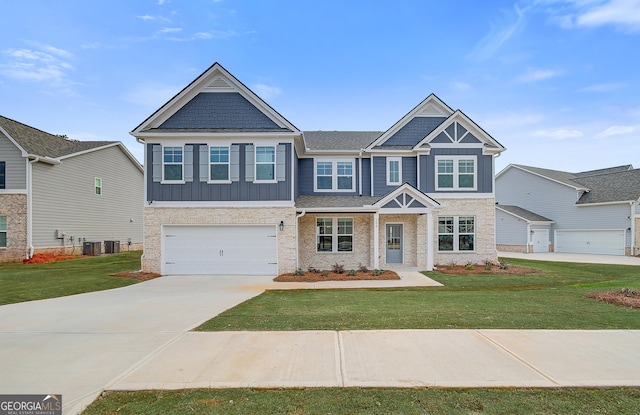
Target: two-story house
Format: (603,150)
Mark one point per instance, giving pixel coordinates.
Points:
(232,187)
(56,194)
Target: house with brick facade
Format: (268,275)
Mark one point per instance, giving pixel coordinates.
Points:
(233,187)
(56,194)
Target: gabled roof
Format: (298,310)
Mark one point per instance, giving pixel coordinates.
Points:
(338,140)
(211,103)
(609,185)
(523,214)
(32,141)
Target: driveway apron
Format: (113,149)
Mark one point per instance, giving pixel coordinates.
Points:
(76,345)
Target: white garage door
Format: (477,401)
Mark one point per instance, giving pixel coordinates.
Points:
(610,242)
(219,250)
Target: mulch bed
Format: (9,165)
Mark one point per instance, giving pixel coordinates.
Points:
(46,258)
(480,269)
(623,298)
(332,276)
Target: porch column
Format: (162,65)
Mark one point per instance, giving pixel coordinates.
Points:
(376,240)
(430,244)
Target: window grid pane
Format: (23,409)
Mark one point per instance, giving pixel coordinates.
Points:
(265,163)
(345,234)
(3,231)
(324,238)
(345,175)
(219,154)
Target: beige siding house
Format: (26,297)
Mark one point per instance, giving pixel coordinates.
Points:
(56,194)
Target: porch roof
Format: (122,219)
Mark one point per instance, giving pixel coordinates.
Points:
(337,202)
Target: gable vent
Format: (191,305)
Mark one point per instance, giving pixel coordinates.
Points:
(219,84)
(431,110)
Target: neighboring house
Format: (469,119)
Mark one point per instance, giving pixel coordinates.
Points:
(57,193)
(232,187)
(542,210)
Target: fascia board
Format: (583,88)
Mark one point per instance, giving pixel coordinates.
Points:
(406,188)
(408,117)
(617,202)
(114,144)
(363,209)
(196,134)
(531,222)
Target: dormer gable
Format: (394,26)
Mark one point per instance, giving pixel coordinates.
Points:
(215,102)
(459,131)
(415,125)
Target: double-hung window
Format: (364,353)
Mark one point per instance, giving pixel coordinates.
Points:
(98,185)
(456,173)
(334,175)
(394,171)
(3,177)
(3,231)
(456,233)
(172,164)
(334,234)
(219,164)
(265,163)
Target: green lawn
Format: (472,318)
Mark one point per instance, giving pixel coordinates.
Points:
(552,299)
(370,401)
(20,282)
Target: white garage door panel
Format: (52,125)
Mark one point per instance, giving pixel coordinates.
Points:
(609,242)
(219,250)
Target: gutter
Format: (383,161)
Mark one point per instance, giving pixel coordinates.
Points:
(30,206)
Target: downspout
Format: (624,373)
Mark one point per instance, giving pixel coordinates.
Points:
(360,175)
(30,206)
(632,218)
(304,212)
(529,240)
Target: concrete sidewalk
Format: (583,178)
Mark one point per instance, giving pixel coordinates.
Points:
(392,358)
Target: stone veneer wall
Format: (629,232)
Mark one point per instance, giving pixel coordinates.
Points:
(362,243)
(512,248)
(14,207)
(155,217)
(484,212)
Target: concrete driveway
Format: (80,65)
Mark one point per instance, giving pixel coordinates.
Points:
(579,258)
(76,345)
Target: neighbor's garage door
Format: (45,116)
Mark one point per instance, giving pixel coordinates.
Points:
(219,250)
(610,242)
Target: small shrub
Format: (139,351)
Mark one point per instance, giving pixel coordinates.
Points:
(469,267)
(313,270)
(363,268)
(325,273)
(337,268)
(451,265)
(504,265)
(377,272)
(487,266)
(351,273)
(299,273)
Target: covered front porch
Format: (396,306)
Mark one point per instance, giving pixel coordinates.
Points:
(395,230)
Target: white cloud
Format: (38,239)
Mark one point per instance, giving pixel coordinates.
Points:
(48,64)
(617,130)
(161,2)
(559,134)
(500,33)
(151,95)
(146,17)
(602,87)
(622,13)
(170,30)
(535,75)
(266,91)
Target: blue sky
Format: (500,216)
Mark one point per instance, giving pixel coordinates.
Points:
(556,82)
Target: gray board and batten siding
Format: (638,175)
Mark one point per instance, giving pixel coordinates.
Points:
(557,202)
(414,131)
(220,111)
(61,191)
(409,174)
(197,189)
(306,176)
(15,167)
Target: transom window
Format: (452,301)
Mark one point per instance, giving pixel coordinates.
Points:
(334,234)
(3,231)
(334,175)
(172,162)
(265,163)
(98,183)
(2,175)
(456,233)
(456,173)
(219,164)
(394,171)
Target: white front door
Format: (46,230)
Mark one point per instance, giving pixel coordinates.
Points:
(540,240)
(219,250)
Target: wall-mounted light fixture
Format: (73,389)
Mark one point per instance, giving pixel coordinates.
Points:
(281,225)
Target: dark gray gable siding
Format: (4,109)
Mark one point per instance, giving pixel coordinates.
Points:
(306,177)
(409,174)
(414,131)
(484,169)
(219,111)
(199,190)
